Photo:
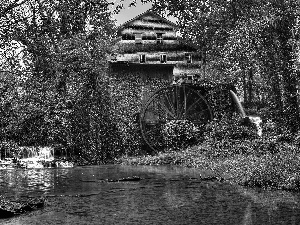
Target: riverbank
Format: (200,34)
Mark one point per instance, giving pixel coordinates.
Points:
(10,208)
(255,163)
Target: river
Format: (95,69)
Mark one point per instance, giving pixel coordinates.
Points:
(164,195)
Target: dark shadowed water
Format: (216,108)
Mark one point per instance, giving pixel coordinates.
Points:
(165,195)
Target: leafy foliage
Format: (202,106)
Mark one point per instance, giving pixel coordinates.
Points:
(252,43)
(129,92)
(126,98)
(255,163)
(280,170)
(61,95)
(229,128)
(179,133)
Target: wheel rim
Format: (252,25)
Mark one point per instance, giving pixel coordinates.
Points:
(172,103)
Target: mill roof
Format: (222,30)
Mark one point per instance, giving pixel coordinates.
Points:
(147,13)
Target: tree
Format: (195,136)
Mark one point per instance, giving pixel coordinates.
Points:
(65,44)
(255,38)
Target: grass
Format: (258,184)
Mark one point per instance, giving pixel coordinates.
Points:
(270,162)
(280,170)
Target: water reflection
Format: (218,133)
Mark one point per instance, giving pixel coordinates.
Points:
(165,195)
(30,182)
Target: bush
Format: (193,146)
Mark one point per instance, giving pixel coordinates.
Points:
(263,147)
(280,170)
(227,137)
(180,133)
(229,128)
(278,133)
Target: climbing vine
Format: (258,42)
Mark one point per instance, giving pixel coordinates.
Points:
(129,92)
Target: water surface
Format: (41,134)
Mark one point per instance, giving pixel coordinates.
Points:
(164,195)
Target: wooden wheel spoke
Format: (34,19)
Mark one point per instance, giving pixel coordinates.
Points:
(159,109)
(155,111)
(152,130)
(202,111)
(155,139)
(170,104)
(191,99)
(188,96)
(200,114)
(173,102)
(166,109)
(183,110)
(177,96)
(191,106)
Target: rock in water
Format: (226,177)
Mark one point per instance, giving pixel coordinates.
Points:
(134,178)
(5,213)
(256,120)
(12,208)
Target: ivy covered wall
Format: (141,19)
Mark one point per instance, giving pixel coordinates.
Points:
(130,87)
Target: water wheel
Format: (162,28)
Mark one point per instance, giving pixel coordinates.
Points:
(178,102)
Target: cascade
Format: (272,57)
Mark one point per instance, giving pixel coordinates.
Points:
(256,120)
(238,104)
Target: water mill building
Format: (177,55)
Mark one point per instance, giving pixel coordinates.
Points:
(148,54)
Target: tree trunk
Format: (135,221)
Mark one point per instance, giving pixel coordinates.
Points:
(245,87)
(250,87)
(291,108)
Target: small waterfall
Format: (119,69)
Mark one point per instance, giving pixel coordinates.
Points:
(238,104)
(252,119)
(29,152)
(46,153)
(257,122)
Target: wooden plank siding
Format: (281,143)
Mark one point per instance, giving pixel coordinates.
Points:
(175,58)
(155,39)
